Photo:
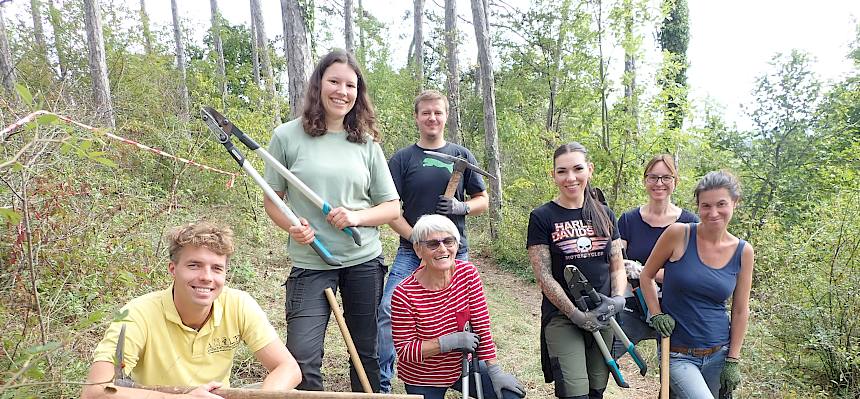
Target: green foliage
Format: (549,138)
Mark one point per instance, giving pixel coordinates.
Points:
(811,297)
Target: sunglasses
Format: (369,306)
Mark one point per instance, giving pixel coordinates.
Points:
(449,242)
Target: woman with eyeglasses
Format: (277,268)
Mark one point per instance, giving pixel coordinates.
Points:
(704,266)
(640,228)
(430,312)
(575,228)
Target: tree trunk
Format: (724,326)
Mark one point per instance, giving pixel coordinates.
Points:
(98,64)
(38,31)
(347,28)
(7,68)
(631,126)
(491,136)
(556,65)
(674,38)
(180,61)
(56,25)
(453,72)
(419,43)
(255,52)
(219,51)
(362,52)
(263,48)
(147,34)
(297,52)
(604,110)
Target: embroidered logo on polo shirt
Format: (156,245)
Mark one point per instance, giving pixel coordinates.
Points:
(224,344)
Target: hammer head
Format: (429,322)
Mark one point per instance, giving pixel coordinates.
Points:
(459,163)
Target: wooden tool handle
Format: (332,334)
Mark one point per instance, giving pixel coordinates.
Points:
(353,354)
(664,368)
(456,175)
(239,393)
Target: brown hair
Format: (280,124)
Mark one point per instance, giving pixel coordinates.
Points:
(218,239)
(667,160)
(592,208)
(430,95)
(360,120)
(716,180)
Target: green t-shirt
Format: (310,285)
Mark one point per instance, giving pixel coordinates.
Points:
(354,176)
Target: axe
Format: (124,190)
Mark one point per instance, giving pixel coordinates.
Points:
(460,165)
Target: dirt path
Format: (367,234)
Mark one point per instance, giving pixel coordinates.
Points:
(508,292)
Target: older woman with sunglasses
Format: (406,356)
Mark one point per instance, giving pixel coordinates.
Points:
(429,313)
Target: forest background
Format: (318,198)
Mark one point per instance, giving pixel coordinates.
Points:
(83,214)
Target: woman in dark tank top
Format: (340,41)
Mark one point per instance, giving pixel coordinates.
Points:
(704,265)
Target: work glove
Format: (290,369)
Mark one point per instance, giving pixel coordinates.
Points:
(590,321)
(451,206)
(663,323)
(614,304)
(633,269)
(462,341)
(502,380)
(730,378)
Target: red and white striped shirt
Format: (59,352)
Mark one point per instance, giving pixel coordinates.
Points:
(419,314)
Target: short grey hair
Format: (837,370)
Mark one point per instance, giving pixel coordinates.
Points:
(429,224)
(716,180)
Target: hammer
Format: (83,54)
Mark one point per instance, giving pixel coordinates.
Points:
(460,165)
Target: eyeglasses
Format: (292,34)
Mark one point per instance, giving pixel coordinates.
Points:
(651,179)
(433,244)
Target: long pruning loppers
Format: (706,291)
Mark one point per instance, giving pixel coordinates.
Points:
(223,129)
(580,288)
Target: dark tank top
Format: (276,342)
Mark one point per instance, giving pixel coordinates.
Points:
(695,295)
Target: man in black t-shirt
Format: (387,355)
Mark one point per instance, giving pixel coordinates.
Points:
(420,180)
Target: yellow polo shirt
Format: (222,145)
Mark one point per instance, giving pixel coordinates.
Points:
(160,350)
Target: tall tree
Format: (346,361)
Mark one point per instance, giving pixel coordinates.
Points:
(147,34)
(362,52)
(219,51)
(784,149)
(7,69)
(453,71)
(57,26)
(98,64)
(38,31)
(255,53)
(347,28)
(556,64)
(265,60)
(674,39)
(418,40)
(184,104)
(491,135)
(295,16)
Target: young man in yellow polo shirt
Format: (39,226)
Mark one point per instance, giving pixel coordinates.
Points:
(187,334)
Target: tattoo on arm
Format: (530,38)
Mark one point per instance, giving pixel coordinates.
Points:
(616,247)
(542,268)
(617,275)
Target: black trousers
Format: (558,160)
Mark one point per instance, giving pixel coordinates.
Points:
(308,314)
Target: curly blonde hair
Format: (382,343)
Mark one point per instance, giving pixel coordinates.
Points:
(218,239)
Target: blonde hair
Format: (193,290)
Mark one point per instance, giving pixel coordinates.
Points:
(430,95)
(218,239)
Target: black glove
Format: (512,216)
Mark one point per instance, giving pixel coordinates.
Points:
(589,321)
(451,206)
(614,304)
(463,341)
(502,380)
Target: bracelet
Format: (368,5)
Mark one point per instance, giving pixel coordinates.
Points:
(732,359)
